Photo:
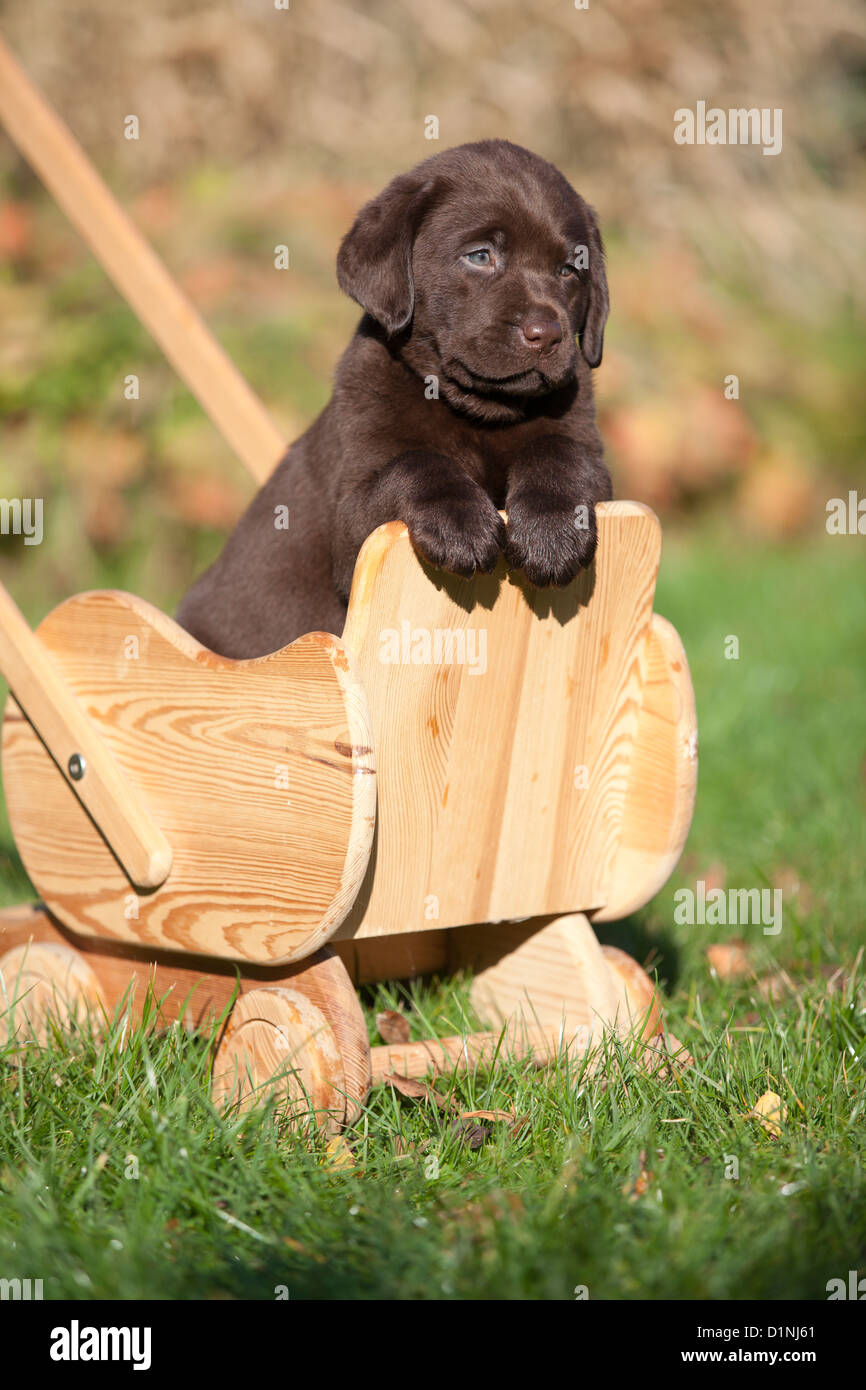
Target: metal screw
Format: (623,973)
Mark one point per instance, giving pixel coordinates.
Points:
(77,767)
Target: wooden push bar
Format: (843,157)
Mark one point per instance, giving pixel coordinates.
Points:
(137,271)
(81,755)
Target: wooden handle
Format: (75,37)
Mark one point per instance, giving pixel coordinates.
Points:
(137,272)
(79,752)
(446,1054)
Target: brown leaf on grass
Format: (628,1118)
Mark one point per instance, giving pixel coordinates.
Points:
(729,960)
(472,1135)
(417,1090)
(407,1086)
(772,1113)
(837,978)
(495,1116)
(664,1055)
(774,987)
(392,1026)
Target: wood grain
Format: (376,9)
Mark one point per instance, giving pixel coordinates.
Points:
(260,774)
(197,992)
(663,778)
(554,976)
(483,814)
(551,975)
(66,731)
(44,983)
(277,1043)
(462,1052)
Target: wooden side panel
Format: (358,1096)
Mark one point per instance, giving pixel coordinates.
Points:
(504,720)
(663,779)
(259,773)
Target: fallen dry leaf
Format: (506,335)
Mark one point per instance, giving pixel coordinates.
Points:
(339,1154)
(495,1116)
(774,987)
(475,1136)
(417,1090)
(729,960)
(771,1111)
(392,1026)
(663,1055)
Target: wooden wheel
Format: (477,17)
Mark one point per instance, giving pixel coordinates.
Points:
(304,1041)
(41,983)
(640,1007)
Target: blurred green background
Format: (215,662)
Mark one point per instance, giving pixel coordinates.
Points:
(261,127)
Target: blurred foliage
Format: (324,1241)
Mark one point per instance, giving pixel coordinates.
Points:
(262,126)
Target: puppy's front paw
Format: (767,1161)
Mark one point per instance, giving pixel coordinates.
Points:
(551,546)
(462,533)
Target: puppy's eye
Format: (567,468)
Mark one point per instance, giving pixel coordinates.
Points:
(567,270)
(480,257)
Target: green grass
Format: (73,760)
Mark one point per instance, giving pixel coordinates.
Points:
(535,1212)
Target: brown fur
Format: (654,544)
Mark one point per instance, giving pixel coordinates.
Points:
(513,426)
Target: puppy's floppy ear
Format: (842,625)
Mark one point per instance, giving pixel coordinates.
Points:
(592,333)
(374,264)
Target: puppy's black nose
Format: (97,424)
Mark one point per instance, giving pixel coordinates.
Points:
(542,333)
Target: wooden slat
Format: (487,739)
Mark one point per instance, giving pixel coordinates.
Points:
(65,730)
(137,271)
(262,871)
(481,812)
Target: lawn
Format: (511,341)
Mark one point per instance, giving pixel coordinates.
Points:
(118,1178)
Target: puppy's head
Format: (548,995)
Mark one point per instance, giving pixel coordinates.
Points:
(482,265)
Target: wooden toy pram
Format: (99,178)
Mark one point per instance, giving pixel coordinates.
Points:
(353,807)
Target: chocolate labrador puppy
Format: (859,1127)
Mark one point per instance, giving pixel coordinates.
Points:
(462,392)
